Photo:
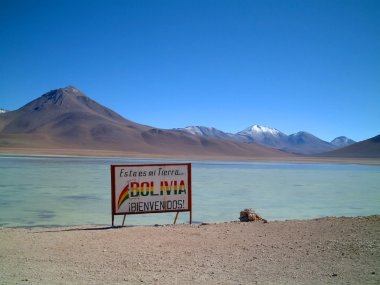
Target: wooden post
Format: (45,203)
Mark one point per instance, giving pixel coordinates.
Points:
(176,216)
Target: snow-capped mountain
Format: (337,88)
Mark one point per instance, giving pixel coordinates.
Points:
(264,135)
(300,143)
(260,130)
(342,141)
(3,111)
(207,132)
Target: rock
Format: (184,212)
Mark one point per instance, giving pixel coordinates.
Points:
(249,215)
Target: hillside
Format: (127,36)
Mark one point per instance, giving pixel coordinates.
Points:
(67,119)
(369,148)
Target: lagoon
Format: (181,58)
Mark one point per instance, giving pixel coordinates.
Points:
(67,191)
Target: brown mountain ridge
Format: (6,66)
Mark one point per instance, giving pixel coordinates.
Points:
(369,148)
(67,119)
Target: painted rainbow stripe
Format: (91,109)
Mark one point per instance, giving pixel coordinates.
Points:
(124,195)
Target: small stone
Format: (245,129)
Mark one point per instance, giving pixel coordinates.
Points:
(334,275)
(373,272)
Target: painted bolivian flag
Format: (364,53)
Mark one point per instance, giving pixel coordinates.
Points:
(124,195)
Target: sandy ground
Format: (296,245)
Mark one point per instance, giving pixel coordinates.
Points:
(322,251)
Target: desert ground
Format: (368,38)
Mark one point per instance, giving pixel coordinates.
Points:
(321,251)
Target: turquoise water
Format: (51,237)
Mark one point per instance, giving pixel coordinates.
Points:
(47,191)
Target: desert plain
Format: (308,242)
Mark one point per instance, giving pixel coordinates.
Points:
(328,250)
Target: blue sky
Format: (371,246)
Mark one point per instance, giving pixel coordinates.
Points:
(292,65)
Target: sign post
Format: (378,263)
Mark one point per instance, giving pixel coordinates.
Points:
(150,188)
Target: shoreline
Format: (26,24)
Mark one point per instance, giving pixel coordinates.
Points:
(78,153)
(195,224)
(329,250)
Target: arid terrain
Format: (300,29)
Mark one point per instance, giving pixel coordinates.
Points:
(320,251)
(65,121)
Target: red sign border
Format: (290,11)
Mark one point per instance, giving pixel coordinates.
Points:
(113,191)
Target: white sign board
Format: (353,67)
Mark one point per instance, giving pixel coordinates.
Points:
(153,188)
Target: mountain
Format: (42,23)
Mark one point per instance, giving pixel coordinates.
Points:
(369,148)
(305,143)
(207,132)
(3,111)
(263,135)
(298,143)
(66,118)
(342,141)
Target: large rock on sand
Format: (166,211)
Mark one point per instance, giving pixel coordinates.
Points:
(249,215)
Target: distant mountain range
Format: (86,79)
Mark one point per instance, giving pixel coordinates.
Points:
(300,143)
(65,118)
